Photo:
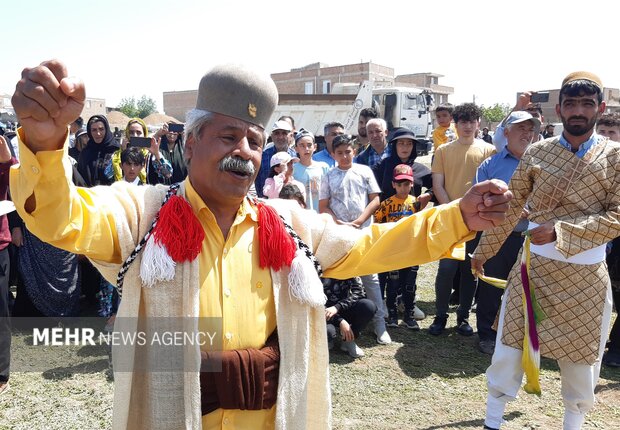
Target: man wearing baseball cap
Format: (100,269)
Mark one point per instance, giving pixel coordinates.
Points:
(520,130)
(281,135)
(571,184)
(204,249)
(523,104)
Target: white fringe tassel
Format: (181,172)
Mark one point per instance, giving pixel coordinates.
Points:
(304,283)
(157,265)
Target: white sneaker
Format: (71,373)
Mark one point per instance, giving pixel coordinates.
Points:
(352,349)
(383,337)
(418,314)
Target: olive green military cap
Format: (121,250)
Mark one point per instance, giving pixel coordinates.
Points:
(238,92)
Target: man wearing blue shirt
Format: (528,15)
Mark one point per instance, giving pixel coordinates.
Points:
(520,129)
(330,132)
(523,104)
(378,147)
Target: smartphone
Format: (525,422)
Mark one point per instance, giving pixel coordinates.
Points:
(176,128)
(541,97)
(140,142)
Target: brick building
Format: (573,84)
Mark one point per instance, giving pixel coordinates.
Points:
(427,80)
(93,106)
(318,78)
(177,103)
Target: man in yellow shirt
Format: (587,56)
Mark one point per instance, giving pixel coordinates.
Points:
(228,257)
(454,168)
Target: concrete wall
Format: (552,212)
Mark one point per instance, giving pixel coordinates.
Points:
(93,106)
(177,103)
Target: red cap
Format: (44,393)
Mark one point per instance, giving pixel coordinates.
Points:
(403,171)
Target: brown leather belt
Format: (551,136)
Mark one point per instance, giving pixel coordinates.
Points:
(248,379)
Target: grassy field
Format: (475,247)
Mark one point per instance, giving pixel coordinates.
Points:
(418,382)
(425,382)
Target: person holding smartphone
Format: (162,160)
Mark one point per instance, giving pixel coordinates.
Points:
(171,147)
(136,134)
(527,103)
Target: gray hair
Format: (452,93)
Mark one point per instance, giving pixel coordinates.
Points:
(379,121)
(196,119)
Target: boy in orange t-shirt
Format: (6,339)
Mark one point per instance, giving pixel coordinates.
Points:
(394,208)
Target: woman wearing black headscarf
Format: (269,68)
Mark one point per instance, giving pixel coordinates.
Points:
(171,148)
(405,153)
(98,152)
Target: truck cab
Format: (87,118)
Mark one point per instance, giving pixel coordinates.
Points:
(399,106)
(406,107)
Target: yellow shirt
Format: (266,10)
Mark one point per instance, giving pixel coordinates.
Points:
(224,282)
(394,208)
(118,170)
(440,137)
(78,220)
(458,163)
(231,290)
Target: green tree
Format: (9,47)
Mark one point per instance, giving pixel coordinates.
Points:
(128,107)
(146,106)
(495,113)
(137,108)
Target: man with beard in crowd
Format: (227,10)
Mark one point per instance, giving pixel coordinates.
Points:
(361,141)
(571,184)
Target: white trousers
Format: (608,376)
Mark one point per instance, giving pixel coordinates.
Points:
(505,375)
(373,293)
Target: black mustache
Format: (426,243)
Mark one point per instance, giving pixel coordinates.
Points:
(236,164)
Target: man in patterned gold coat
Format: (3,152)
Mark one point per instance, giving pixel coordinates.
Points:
(571,184)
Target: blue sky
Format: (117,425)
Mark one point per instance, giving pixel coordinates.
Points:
(490,49)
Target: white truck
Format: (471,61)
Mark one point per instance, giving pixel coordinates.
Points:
(399,106)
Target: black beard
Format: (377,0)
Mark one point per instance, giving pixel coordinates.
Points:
(578,129)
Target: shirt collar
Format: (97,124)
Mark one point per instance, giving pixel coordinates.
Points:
(327,153)
(504,153)
(584,147)
(246,209)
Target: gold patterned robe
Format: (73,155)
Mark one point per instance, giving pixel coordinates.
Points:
(582,197)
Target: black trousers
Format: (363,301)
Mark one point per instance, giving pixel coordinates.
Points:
(614,336)
(359,315)
(403,281)
(5,323)
(489,297)
(444,282)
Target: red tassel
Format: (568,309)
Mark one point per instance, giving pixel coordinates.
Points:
(179,230)
(276,246)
